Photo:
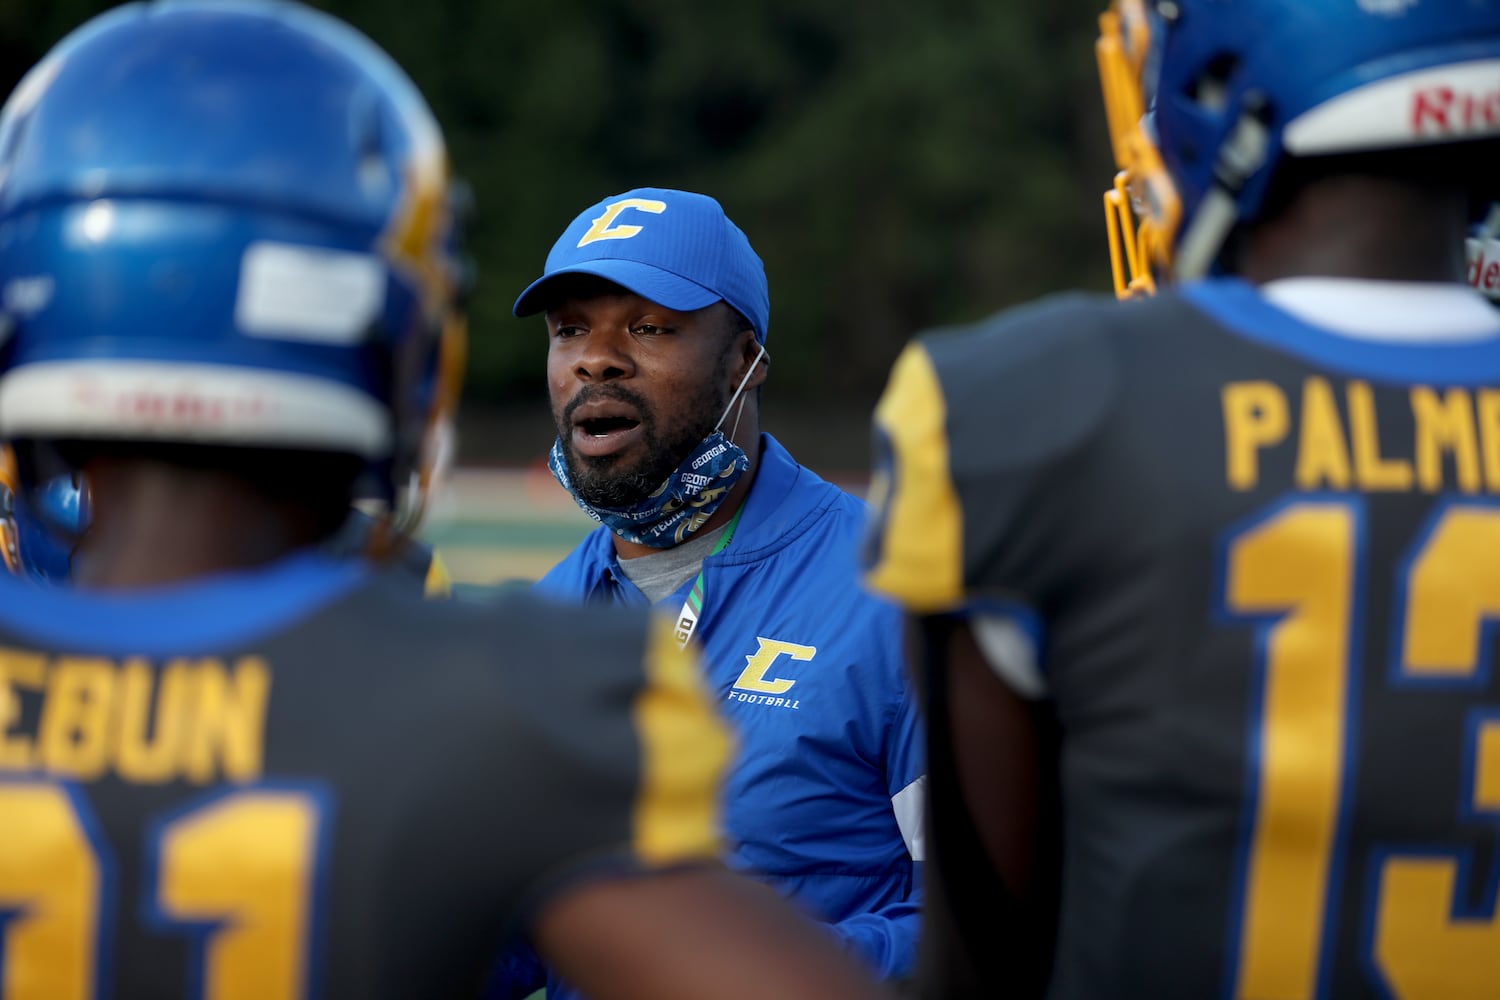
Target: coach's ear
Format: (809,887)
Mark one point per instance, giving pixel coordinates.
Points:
(752,359)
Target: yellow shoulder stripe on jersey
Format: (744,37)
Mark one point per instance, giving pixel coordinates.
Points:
(685,750)
(439,582)
(920,560)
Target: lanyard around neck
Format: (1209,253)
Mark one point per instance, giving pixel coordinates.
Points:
(687,620)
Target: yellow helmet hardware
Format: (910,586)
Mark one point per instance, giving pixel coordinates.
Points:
(1142,211)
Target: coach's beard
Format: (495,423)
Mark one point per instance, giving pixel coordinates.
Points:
(663,504)
(606,482)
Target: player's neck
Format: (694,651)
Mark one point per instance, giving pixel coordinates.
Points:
(154,523)
(732,503)
(1361,227)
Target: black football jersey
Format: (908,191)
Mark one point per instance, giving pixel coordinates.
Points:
(308,782)
(1251,567)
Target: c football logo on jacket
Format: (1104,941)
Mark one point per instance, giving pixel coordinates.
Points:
(604,227)
(754,687)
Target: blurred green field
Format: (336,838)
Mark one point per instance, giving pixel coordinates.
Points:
(493,525)
(500,524)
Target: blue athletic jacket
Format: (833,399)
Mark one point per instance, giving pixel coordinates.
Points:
(825,800)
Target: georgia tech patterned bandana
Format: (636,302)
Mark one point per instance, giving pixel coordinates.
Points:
(682,504)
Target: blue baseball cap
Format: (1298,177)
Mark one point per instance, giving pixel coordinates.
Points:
(676,248)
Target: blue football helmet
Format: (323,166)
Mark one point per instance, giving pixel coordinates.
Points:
(229,223)
(40,527)
(1205,98)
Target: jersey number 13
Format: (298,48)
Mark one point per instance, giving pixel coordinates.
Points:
(1297,574)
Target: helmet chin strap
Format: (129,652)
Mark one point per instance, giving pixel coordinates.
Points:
(739,395)
(1242,154)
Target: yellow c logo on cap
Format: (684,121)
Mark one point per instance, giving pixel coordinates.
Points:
(601,229)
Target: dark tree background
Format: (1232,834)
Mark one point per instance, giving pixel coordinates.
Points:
(897,165)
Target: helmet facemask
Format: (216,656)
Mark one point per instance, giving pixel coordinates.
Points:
(1142,211)
(425,245)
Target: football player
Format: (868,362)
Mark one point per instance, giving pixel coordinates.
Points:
(233,765)
(1204,584)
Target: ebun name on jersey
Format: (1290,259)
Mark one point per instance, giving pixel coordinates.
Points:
(198,720)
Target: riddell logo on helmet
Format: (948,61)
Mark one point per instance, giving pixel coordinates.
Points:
(1444,111)
(177,408)
(1484,267)
(186,408)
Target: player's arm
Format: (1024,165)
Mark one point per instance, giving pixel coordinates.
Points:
(693,934)
(993,818)
(943,545)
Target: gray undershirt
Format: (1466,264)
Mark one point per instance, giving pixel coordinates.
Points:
(660,573)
